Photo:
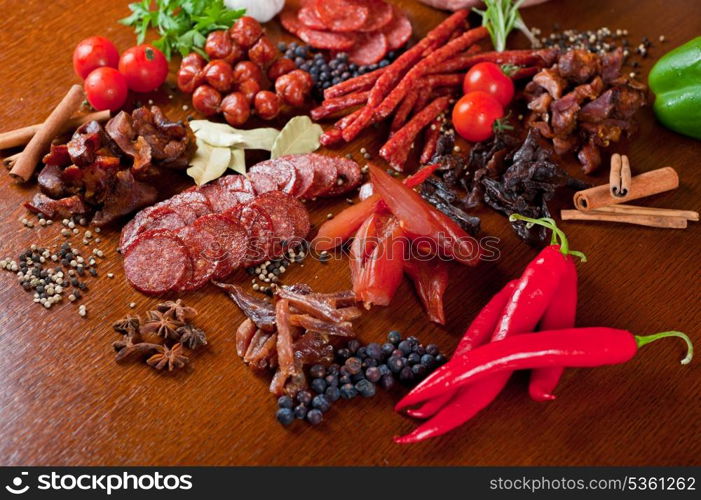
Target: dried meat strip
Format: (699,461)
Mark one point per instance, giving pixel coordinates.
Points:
(287,369)
(336,104)
(431,136)
(259,311)
(405,107)
(357,84)
(312,324)
(244,334)
(541,58)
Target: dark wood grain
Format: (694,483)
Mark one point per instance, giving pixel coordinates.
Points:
(65,402)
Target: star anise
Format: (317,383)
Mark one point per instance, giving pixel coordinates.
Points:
(177,310)
(127,325)
(191,336)
(162,324)
(127,348)
(172,357)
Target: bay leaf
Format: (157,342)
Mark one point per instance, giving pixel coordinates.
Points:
(223,135)
(208,163)
(299,135)
(237,163)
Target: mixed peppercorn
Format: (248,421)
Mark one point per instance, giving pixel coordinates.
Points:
(358,370)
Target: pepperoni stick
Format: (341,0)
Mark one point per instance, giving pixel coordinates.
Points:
(347,120)
(431,136)
(404,137)
(396,70)
(525,72)
(365,118)
(444,80)
(336,104)
(331,136)
(458,45)
(461,62)
(405,108)
(362,82)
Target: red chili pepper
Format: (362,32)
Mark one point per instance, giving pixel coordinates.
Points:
(421,220)
(531,297)
(561,313)
(430,279)
(477,334)
(334,232)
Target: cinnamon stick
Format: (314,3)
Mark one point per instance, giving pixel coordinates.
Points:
(39,143)
(21,136)
(646,184)
(615,175)
(10,161)
(636,210)
(660,221)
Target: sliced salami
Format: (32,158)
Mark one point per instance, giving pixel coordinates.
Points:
(398,31)
(203,248)
(131,230)
(349,177)
(381,14)
(296,213)
(227,192)
(305,173)
(157,262)
(231,242)
(307,16)
(259,229)
(282,224)
(282,171)
(194,201)
(159,216)
(316,38)
(262,182)
(341,15)
(369,48)
(325,175)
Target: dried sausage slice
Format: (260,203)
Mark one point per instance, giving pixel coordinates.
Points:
(381,14)
(231,242)
(282,170)
(276,205)
(305,172)
(157,262)
(349,177)
(227,192)
(194,201)
(259,229)
(159,216)
(202,246)
(398,31)
(341,15)
(316,38)
(325,175)
(262,182)
(307,16)
(370,48)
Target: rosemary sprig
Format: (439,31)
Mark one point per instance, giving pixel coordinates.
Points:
(502,16)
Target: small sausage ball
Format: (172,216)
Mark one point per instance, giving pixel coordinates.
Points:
(236,109)
(263,52)
(219,75)
(246,32)
(249,88)
(267,104)
(246,70)
(206,100)
(280,67)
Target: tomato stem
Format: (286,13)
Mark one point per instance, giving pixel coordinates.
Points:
(643,340)
(558,236)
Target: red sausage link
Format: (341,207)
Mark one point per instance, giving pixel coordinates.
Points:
(267,104)
(263,52)
(246,32)
(219,75)
(280,67)
(246,70)
(236,109)
(206,100)
(249,89)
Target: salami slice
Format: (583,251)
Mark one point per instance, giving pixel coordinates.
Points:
(325,175)
(194,201)
(227,192)
(381,14)
(307,16)
(349,177)
(370,48)
(262,182)
(157,262)
(282,170)
(305,173)
(231,242)
(275,205)
(341,15)
(398,31)
(316,38)
(131,230)
(296,213)
(203,248)
(159,216)
(259,229)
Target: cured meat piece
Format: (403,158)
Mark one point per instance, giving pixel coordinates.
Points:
(316,38)
(307,16)
(231,242)
(203,248)
(349,177)
(431,136)
(259,311)
(157,262)
(336,104)
(244,334)
(259,230)
(227,192)
(398,30)
(358,83)
(341,15)
(151,218)
(381,14)
(282,224)
(295,211)
(282,171)
(262,183)
(370,48)
(190,201)
(305,173)
(325,176)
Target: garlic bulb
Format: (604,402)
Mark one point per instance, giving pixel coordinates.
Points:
(261,10)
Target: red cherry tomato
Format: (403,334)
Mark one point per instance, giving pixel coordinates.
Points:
(145,67)
(489,77)
(474,116)
(92,53)
(106,88)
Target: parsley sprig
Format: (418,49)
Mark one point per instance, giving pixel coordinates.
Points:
(182,24)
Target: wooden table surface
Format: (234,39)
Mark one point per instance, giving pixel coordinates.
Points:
(64,401)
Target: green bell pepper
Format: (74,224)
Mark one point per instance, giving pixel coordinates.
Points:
(676,82)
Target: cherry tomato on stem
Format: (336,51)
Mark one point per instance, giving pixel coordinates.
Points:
(490,78)
(144,66)
(92,53)
(106,88)
(475,115)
